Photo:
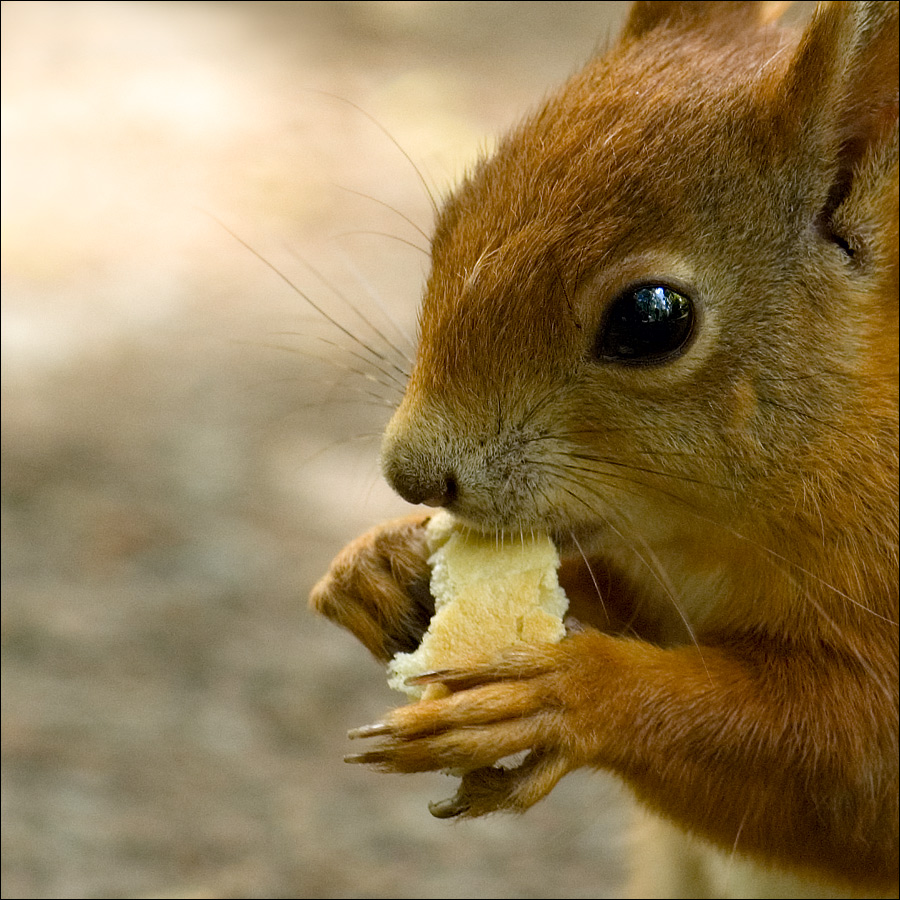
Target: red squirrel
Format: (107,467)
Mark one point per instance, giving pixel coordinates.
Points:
(661,326)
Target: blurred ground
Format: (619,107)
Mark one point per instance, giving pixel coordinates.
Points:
(184,447)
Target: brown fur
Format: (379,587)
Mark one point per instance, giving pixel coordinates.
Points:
(728,518)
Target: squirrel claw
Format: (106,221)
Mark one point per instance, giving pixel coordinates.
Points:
(373,757)
(367,731)
(447,809)
(435,676)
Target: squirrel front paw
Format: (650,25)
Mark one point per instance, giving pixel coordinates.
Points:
(378,587)
(526,702)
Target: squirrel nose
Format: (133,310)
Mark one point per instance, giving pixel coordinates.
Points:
(431,490)
(417,457)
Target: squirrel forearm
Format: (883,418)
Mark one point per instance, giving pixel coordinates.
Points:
(759,749)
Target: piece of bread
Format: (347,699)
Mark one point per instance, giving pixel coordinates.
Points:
(487,596)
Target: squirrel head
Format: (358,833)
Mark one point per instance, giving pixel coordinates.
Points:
(672,288)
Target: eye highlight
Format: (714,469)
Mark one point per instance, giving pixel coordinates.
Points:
(644,325)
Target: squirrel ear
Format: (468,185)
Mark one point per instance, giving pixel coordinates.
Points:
(847,64)
(736,15)
(839,101)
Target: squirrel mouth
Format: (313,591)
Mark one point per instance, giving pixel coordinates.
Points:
(571,542)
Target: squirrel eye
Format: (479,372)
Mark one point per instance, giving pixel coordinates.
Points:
(644,325)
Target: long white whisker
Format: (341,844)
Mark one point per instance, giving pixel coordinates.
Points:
(394,141)
(591,573)
(787,565)
(378,300)
(654,567)
(303,295)
(394,210)
(367,321)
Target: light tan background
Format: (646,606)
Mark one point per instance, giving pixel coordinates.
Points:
(184,448)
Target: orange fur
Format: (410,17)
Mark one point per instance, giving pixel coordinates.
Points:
(729,516)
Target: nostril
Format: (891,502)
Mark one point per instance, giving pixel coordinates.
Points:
(444,494)
(419,468)
(451,490)
(439,490)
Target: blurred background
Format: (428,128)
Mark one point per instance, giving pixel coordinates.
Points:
(187,442)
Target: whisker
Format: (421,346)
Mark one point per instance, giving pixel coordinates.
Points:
(365,319)
(657,570)
(808,416)
(619,477)
(386,234)
(533,410)
(363,396)
(325,315)
(390,385)
(428,192)
(782,562)
(565,288)
(680,476)
(804,376)
(370,399)
(392,382)
(653,565)
(376,298)
(591,573)
(340,442)
(394,210)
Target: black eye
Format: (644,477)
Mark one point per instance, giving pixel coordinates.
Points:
(645,324)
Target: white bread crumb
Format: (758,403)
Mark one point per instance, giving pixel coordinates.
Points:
(487,597)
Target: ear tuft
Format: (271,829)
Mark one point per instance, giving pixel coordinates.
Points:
(847,63)
(720,15)
(840,96)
